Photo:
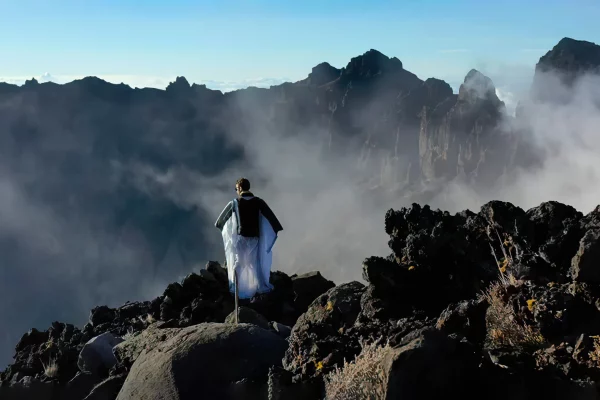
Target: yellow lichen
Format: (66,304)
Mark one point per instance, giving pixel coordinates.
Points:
(411,267)
(319,365)
(503,265)
(329,306)
(530,304)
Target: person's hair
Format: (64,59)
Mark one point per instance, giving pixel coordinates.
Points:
(244,184)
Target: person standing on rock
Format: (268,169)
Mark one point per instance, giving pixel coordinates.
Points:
(249,229)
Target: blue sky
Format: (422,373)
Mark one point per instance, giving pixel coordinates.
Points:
(233,43)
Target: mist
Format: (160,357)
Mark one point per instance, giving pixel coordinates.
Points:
(563,129)
(59,262)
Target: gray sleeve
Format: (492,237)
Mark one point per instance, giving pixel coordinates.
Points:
(225,215)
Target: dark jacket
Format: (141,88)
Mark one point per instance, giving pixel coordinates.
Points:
(249,207)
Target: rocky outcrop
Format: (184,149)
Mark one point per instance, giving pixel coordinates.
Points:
(466,137)
(504,300)
(129,330)
(329,316)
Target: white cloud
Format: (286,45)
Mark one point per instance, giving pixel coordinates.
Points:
(509,99)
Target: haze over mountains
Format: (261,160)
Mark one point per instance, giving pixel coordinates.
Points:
(109,192)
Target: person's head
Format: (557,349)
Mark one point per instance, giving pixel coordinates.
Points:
(242,185)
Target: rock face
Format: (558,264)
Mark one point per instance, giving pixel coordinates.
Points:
(465,136)
(208,359)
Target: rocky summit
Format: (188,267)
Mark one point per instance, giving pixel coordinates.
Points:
(503,303)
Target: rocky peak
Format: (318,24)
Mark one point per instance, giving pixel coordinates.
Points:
(477,86)
(558,69)
(372,63)
(322,74)
(571,56)
(181,85)
(31,82)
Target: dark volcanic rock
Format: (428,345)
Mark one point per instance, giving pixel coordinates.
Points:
(31,338)
(432,366)
(307,287)
(585,266)
(318,335)
(207,358)
(107,389)
(466,318)
(101,315)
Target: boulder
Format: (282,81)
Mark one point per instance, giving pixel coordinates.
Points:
(218,272)
(248,316)
(585,266)
(80,386)
(466,318)
(307,287)
(108,389)
(317,341)
(97,356)
(208,358)
(430,366)
(276,305)
(128,351)
(283,330)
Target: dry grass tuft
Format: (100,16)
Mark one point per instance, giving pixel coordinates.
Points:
(130,334)
(51,369)
(149,319)
(364,378)
(595,353)
(502,322)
